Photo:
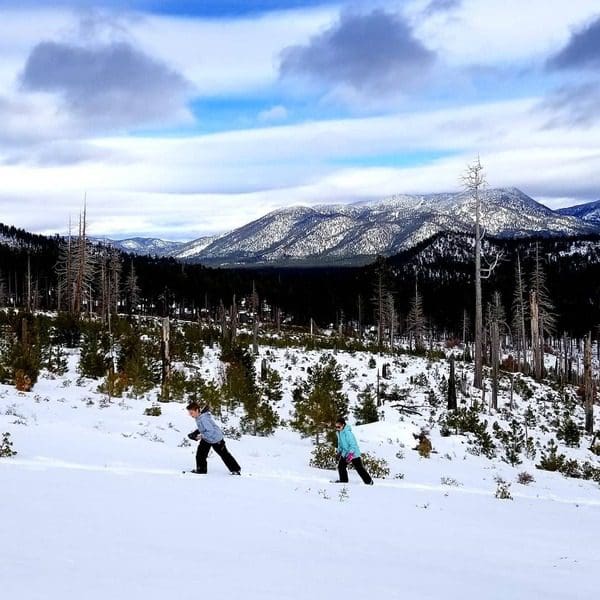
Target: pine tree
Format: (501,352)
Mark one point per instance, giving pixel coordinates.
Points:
(93,359)
(366,411)
(261,417)
(26,353)
(319,400)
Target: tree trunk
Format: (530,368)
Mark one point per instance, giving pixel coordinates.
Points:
(166,358)
(588,385)
(452,386)
(535,336)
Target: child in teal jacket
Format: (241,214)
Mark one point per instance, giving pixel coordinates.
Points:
(349,452)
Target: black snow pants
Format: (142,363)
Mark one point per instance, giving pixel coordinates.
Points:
(359,468)
(221,449)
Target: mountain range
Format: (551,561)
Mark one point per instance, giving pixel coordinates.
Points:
(589,212)
(356,233)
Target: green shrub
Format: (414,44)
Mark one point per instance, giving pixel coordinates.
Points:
(6,448)
(466,420)
(589,471)
(569,432)
(551,460)
(377,467)
(323,457)
(153,411)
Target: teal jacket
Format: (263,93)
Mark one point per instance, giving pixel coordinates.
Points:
(347,443)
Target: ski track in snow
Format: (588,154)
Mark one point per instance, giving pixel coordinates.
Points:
(43,463)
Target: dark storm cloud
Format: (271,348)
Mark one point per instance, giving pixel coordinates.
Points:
(376,52)
(582,50)
(574,106)
(111,85)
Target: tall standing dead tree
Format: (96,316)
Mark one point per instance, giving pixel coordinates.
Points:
(474,184)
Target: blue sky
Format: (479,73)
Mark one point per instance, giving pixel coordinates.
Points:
(181,119)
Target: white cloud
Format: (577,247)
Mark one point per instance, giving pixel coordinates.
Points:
(499,31)
(183,188)
(275,113)
(228,56)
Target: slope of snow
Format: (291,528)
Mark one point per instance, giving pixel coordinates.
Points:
(588,212)
(95,506)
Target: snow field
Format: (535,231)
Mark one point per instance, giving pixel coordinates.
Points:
(94,506)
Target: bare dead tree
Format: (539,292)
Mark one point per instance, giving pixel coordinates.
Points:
(115,267)
(520,314)
(391,318)
(65,272)
(379,298)
(2,290)
(166,358)
(536,346)
(132,290)
(543,321)
(497,325)
(415,321)
(474,182)
(451,405)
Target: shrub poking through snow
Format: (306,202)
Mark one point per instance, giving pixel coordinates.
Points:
(525,478)
(153,411)
(466,420)
(450,482)
(503,489)
(323,457)
(6,448)
(343,495)
(377,467)
(423,446)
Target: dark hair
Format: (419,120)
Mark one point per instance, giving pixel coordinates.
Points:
(341,420)
(193,406)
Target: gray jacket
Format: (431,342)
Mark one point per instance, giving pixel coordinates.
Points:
(208,428)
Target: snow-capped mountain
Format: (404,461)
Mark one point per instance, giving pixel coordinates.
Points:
(140,245)
(359,231)
(589,212)
(193,248)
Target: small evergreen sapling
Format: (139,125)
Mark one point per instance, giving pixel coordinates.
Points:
(366,411)
(502,489)
(6,449)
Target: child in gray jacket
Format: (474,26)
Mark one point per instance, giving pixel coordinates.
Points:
(210,436)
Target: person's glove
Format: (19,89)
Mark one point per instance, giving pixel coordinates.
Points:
(194,435)
(349,457)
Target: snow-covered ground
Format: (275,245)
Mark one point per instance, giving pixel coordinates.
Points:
(95,506)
